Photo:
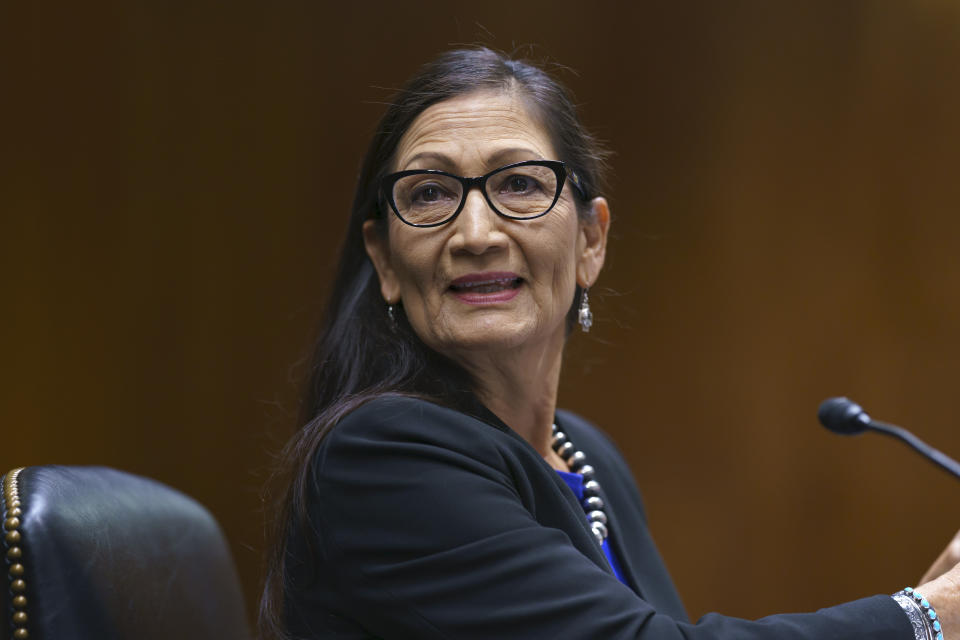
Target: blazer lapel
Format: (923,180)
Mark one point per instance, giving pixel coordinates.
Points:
(616,541)
(630,539)
(585,541)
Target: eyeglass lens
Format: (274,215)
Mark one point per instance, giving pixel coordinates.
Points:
(522,192)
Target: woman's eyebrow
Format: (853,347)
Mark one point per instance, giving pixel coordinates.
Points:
(444,160)
(492,161)
(501,155)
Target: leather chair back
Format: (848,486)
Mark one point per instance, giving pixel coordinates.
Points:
(92,552)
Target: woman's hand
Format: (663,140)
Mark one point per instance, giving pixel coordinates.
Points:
(947,560)
(943,592)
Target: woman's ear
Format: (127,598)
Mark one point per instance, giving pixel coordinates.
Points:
(592,245)
(378,248)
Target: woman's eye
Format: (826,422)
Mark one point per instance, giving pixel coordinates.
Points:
(429,193)
(520,185)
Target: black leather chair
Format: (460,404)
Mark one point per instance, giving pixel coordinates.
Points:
(92,552)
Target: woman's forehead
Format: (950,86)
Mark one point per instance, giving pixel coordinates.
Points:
(473,131)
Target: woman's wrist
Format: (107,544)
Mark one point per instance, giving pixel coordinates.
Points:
(923,617)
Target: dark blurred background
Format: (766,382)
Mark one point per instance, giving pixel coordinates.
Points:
(176,177)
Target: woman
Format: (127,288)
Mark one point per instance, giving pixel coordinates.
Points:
(436,491)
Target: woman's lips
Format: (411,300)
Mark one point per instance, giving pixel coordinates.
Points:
(486,288)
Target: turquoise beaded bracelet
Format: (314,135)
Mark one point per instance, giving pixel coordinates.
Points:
(930,617)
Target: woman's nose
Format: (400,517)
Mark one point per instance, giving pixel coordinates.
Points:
(478,226)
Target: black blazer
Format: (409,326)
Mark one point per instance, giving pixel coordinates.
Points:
(426,522)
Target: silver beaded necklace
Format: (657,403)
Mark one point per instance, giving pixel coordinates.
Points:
(592,502)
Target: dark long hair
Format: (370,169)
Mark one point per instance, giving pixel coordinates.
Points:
(359,354)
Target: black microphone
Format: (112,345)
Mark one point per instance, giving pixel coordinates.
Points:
(843,416)
(846,417)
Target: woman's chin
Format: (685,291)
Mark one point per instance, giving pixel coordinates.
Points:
(493,334)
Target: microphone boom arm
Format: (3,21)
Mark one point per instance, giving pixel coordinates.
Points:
(939,458)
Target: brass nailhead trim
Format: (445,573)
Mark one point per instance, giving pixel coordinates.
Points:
(13,512)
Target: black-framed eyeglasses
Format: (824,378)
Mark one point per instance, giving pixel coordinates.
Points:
(519,191)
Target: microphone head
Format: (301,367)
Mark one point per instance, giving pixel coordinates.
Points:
(843,416)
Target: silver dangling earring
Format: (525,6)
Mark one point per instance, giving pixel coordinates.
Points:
(392,314)
(585,316)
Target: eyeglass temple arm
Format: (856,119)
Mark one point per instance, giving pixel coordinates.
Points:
(575,179)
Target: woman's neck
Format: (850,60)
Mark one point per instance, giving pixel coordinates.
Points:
(520,387)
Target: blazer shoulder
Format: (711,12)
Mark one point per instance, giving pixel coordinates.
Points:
(592,436)
(394,414)
(602,451)
(396,425)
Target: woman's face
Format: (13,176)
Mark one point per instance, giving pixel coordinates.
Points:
(482,282)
